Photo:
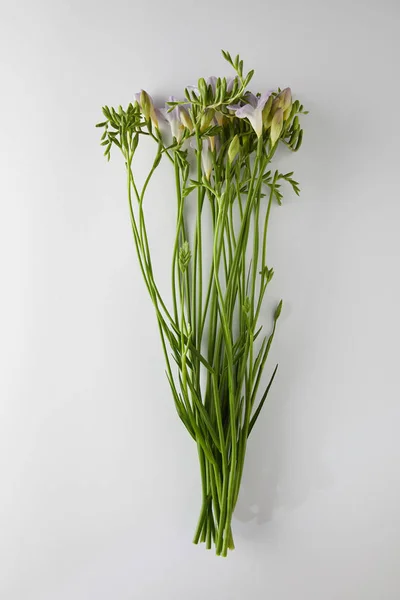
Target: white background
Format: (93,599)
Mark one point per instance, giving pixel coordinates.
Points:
(99,480)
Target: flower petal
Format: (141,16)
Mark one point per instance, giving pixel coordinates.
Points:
(251,99)
(245,111)
(262,100)
(234,106)
(256,121)
(159,112)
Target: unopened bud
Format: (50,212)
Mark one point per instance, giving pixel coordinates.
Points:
(284,101)
(206,160)
(278,311)
(186,120)
(221,119)
(234,148)
(206,119)
(286,95)
(287,103)
(145,104)
(276,126)
(267,113)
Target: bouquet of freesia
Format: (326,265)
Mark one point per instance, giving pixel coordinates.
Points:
(219,141)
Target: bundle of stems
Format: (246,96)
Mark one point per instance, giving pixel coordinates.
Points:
(214,352)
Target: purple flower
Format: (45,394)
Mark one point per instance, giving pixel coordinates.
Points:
(174,119)
(206,157)
(252,111)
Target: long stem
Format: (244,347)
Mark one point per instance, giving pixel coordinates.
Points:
(219,416)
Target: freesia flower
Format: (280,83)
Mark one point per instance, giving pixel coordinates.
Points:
(174,118)
(206,159)
(229,167)
(252,111)
(206,156)
(147,107)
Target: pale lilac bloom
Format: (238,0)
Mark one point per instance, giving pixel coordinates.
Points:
(206,159)
(206,156)
(252,111)
(174,119)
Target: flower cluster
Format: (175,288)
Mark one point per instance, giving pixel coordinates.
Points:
(218,110)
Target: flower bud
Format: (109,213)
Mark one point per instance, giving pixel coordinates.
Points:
(147,107)
(145,104)
(287,103)
(284,101)
(267,112)
(278,311)
(221,119)
(206,119)
(276,126)
(206,160)
(234,148)
(186,119)
(286,95)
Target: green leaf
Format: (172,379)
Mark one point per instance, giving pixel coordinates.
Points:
(227,56)
(249,77)
(261,403)
(106,112)
(188,190)
(203,414)
(299,141)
